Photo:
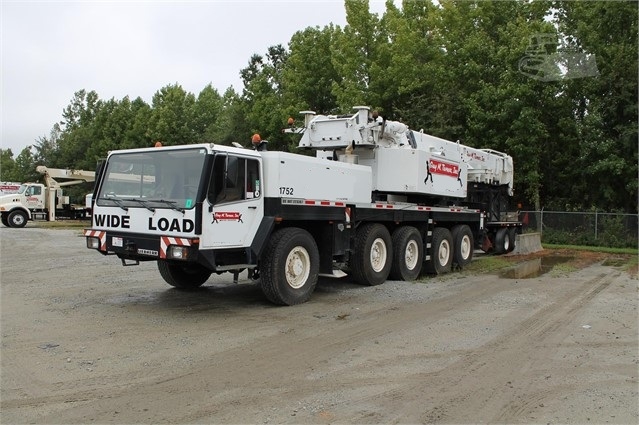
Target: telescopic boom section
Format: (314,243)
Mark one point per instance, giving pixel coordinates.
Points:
(390,147)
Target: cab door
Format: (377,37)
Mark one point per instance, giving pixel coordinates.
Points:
(234,206)
(34,198)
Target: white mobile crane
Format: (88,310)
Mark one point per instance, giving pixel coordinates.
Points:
(377,201)
(37,201)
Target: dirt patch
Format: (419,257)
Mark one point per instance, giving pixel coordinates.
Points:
(580,259)
(87,340)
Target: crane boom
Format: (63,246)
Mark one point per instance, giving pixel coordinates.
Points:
(73,176)
(380,143)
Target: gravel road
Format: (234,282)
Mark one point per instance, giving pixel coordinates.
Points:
(86,340)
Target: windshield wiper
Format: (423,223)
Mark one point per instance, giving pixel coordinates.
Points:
(172,204)
(116,202)
(143,202)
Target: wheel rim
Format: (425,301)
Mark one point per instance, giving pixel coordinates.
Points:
(298,267)
(465,247)
(378,255)
(506,241)
(17,219)
(410,255)
(444,253)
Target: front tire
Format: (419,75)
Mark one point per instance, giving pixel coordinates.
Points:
(17,218)
(184,277)
(5,221)
(408,254)
(441,258)
(371,262)
(289,270)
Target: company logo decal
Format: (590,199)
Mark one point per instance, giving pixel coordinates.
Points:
(475,156)
(227,216)
(442,168)
(9,187)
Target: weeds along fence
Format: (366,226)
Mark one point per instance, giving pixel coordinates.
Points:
(583,228)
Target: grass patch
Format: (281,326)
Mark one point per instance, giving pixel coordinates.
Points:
(563,269)
(604,249)
(629,264)
(632,266)
(614,262)
(63,224)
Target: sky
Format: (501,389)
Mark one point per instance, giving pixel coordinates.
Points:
(52,49)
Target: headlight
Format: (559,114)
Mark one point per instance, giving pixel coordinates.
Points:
(93,243)
(178,252)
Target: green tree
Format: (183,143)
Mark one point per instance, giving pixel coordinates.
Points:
(7,166)
(309,74)
(75,134)
(114,127)
(416,69)
(172,119)
(232,124)
(262,96)
(26,167)
(207,110)
(605,106)
(360,57)
(46,149)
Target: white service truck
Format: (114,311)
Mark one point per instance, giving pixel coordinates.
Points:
(37,201)
(377,201)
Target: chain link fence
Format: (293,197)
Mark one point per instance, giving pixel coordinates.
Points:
(583,228)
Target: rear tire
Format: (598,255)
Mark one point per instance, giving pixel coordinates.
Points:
(408,254)
(441,258)
(17,218)
(502,241)
(184,277)
(290,267)
(371,262)
(463,244)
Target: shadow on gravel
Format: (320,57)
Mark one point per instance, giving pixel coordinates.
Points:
(228,297)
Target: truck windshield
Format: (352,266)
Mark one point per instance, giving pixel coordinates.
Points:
(161,178)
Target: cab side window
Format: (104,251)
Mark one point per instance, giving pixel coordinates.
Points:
(33,190)
(216,184)
(253,184)
(233,179)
